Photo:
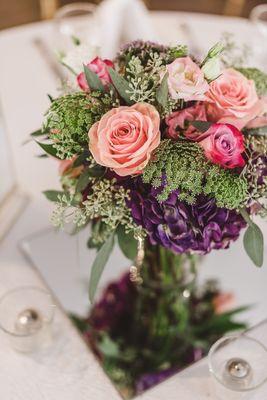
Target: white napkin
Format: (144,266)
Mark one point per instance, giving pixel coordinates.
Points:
(122,21)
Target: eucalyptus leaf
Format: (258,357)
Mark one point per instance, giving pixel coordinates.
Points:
(162,92)
(49,149)
(201,126)
(127,243)
(254,244)
(53,195)
(253,240)
(99,265)
(121,85)
(93,80)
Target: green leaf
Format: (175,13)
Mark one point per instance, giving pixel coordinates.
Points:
(92,245)
(108,347)
(50,98)
(95,172)
(254,244)
(127,243)
(253,240)
(53,195)
(93,80)
(80,160)
(163,91)
(80,323)
(37,133)
(201,126)
(99,265)
(49,149)
(121,85)
(83,180)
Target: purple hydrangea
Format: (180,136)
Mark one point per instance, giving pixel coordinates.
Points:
(181,227)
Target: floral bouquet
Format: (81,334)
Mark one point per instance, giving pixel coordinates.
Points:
(166,155)
(160,150)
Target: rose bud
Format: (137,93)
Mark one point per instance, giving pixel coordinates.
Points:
(99,67)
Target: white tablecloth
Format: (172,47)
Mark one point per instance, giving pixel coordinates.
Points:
(70,371)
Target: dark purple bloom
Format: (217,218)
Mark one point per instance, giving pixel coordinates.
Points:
(147,381)
(181,227)
(116,303)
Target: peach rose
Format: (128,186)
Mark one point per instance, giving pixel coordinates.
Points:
(186,80)
(125,137)
(233,99)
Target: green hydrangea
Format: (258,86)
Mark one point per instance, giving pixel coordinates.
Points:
(259,77)
(70,117)
(182,165)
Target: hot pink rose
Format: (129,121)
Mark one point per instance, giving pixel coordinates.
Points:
(234,99)
(125,137)
(180,121)
(223,144)
(100,67)
(186,80)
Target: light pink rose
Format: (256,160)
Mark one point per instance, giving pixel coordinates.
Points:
(233,99)
(223,144)
(100,67)
(125,137)
(223,302)
(179,121)
(186,80)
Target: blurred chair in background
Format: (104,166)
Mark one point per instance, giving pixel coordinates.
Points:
(13,12)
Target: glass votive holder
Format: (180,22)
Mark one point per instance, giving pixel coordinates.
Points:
(26,315)
(239,366)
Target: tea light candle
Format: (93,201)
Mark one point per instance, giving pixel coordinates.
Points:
(28,321)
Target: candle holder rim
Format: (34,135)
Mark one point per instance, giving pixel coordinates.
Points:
(234,337)
(52,306)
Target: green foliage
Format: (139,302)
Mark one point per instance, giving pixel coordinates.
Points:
(53,195)
(99,265)
(121,85)
(253,240)
(182,165)
(255,171)
(70,117)
(143,78)
(127,243)
(163,91)
(93,80)
(176,52)
(259,77)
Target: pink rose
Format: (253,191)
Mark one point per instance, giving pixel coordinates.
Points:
(179,121)
(100,67)
(234,99)
(186,80)
(223,144)
(125,137)
(66,167)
